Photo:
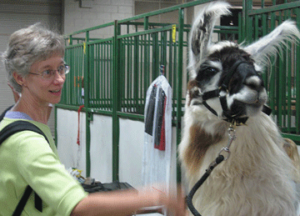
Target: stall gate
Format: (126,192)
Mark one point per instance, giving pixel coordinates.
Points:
(109,77)
(282,77)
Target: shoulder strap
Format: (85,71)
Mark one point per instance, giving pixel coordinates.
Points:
(4,112)
(6,132)
(18,126)
(22,202)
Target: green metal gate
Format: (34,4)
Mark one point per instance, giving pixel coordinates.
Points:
(282,77)
(114,73)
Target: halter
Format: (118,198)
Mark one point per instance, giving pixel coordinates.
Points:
(224,87)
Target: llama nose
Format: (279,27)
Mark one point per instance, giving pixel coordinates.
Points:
(254,83)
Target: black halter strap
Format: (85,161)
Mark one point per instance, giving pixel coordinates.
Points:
(232,70)
(224,87)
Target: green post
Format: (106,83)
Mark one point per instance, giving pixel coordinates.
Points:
(147,58)
(86,104)
(136,72)
(116,102)
(247,5)
(281,87)
(179,85)
(297,87)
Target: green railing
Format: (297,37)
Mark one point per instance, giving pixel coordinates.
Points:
(115,72)
(74,57)
(282,78)
(100,68)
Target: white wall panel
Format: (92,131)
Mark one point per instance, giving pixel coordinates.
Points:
(101,148)
(70,153)
(131,151)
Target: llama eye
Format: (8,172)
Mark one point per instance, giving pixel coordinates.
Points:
(206,72)
(209,71)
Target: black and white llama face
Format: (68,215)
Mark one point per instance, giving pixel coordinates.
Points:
(233,69)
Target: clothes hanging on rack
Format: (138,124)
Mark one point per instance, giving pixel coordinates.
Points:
(158,133)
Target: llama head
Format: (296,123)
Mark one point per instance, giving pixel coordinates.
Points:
(227,70)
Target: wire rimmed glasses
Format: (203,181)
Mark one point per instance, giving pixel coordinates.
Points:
(50,74)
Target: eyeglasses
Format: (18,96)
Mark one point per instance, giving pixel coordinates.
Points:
(50,74)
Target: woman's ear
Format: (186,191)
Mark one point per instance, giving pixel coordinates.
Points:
(19,79)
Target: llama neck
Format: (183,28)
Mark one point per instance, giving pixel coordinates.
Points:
(256,145)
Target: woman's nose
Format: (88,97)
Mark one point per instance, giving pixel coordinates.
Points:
(59,78)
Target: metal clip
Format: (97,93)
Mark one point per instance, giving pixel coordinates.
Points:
(231,135)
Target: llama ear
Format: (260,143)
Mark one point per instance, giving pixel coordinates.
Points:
(201,31)
(273,43)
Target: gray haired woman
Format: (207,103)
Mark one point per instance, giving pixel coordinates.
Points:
(34,62)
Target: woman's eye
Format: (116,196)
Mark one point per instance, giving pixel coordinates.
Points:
(46,72)
(60,68)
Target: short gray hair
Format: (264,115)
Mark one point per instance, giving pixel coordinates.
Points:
(28,45)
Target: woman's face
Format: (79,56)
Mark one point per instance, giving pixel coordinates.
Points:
(41,89)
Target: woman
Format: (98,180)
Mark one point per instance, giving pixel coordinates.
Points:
(36,69)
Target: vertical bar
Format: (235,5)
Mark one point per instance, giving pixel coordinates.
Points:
(289,87)
(116,104)
(71,40)
(122,68)
(179,84)
(136,72)
(164,49)
(155,65)
(92,73)
(129,81)
(247,5)
(142,46)
(264,32)
(175,74)
(103,74)
(256,29)
(99,70)
(86,105)
(272,76)
(112,62)
(146,56)
(72,83)
(170,57)
(297,76)
(281,86)
(105,70)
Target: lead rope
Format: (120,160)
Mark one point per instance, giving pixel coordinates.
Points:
(218,160)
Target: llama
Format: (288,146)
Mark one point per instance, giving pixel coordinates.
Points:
(225,88)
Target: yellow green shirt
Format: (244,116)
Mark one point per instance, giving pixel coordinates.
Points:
(26,158)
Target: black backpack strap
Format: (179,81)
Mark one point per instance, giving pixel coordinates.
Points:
(18,126)
(23,201)
(6,132)
(4,112)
